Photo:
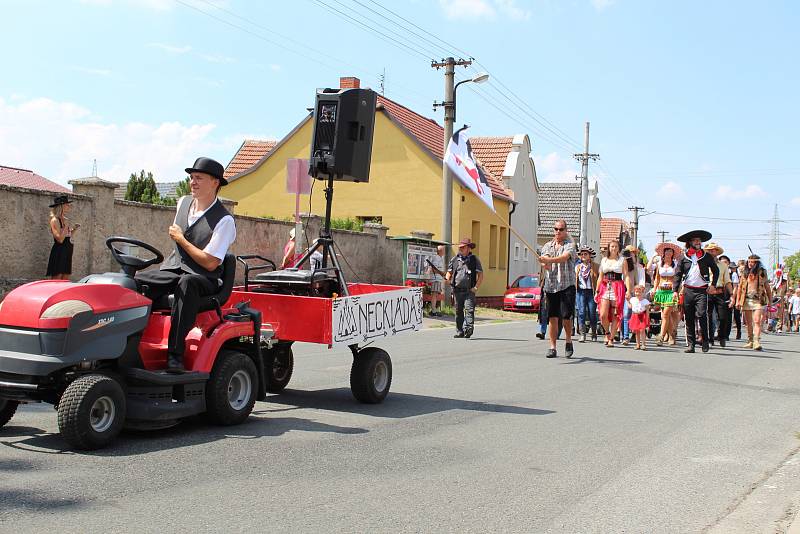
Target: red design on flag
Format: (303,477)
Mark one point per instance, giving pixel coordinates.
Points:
(459,160)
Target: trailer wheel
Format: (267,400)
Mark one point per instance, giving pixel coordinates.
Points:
(232,388)
(279,368)
(7,410)
(371,375)
(91,412)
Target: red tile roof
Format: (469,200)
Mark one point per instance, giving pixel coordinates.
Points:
(250,153)
(492,152)
(29,179)
(611,228)
(426,131)
(431,136)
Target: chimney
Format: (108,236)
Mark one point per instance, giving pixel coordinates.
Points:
(349,82)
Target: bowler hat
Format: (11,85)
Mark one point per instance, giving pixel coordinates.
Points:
(209,166)
(466,242)
(59,200)
(688,236)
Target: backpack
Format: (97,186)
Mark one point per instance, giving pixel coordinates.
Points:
(470,263)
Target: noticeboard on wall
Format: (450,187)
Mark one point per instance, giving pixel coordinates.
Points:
(416,266)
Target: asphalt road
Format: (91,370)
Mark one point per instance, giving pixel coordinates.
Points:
(477,435)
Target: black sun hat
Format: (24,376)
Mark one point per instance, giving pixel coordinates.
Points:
(209,166)
(688,236)
(59,200)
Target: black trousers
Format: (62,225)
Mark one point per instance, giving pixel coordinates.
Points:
(695,306)
(737,317)
(720,316)
(187,288)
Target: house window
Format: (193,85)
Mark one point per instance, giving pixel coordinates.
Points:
(516,251)
(493,246)
(476,236)
(525,254)
(503,247)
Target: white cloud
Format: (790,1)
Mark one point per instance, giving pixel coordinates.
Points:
(670,190)
(602,5)
(482,9)
(725,192)
(217,58)
(172,49)
(59,140)
(275,67)
(554,168)
(796,201)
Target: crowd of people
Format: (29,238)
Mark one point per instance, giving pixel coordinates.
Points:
(628,299)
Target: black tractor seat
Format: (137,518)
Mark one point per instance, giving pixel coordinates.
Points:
(209,302)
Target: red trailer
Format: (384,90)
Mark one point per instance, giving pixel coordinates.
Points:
(317,306)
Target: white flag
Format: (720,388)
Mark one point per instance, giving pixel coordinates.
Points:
(460,161)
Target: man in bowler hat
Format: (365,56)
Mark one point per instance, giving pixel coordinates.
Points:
(203,230)
(692,278)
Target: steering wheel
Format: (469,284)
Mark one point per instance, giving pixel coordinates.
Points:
(129,263)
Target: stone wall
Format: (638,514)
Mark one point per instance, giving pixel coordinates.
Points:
(367,256)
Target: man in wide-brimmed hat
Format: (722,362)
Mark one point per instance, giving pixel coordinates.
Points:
(719,299)
(696,277)
(465,274)
(203,231)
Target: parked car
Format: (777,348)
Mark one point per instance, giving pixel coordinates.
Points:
(524,294)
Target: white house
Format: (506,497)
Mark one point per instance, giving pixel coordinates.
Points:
(510,159)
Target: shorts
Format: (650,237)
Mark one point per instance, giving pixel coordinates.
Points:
(751,304)
(561,304)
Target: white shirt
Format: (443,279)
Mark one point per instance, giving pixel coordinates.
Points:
(608,265)
(638,306)
(694,278)
(437,262)
(224,233)
(794,305)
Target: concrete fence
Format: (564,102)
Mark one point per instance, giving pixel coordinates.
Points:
(367,256)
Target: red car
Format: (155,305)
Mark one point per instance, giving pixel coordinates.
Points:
(524,294)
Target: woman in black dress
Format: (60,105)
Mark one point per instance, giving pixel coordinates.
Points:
(59,266)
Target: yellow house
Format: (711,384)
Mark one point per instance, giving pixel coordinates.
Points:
(404,191)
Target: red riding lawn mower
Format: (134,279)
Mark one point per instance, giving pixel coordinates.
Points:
(97,349)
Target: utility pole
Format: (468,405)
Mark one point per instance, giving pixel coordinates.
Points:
(635,224)
(584,159)
(449,66)
(775,239)
(663,234)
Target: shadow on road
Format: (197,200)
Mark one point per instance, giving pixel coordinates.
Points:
(587,359)
(22,499)
(189,433)
(396,405)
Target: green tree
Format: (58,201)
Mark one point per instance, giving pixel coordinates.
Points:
(183,189)
(793,266)
(142,188)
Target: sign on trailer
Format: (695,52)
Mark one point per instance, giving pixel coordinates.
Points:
(363,318)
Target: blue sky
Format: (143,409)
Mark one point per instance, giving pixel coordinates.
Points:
(683,97)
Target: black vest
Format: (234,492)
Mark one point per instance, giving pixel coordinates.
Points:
(198,234)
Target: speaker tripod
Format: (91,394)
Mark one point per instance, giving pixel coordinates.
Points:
(325,242)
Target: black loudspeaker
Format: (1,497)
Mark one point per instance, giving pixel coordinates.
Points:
(341,145)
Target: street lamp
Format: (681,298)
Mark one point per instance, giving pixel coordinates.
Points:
(478,78)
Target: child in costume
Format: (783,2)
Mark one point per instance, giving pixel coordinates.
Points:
(640,315)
